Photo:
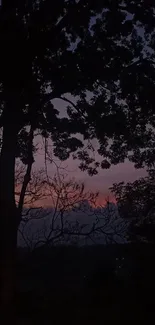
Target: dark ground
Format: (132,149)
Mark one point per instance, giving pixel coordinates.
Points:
(86,285)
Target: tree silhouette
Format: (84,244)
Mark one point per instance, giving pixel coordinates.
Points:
(72,47)
(136,204)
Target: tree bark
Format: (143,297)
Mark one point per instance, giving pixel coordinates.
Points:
(8,219)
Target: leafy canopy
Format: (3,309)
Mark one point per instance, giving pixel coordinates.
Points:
(136,205)
(102,54)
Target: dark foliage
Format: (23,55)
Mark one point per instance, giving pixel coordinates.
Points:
(136,204)
(97,56)
(44,47)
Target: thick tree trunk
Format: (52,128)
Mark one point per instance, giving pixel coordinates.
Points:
(8,219)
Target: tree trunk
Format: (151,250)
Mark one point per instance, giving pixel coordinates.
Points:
(8,220)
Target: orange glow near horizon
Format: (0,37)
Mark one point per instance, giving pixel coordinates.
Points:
(46,202)
(102,200)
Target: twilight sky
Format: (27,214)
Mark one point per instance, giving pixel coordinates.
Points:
(101,182)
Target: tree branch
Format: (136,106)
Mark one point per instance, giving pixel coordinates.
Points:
(27,176)
(68,101)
